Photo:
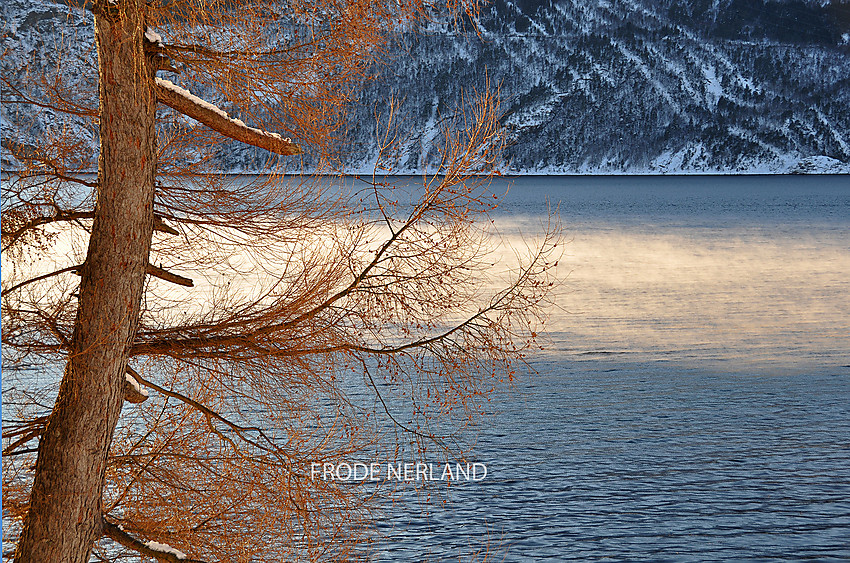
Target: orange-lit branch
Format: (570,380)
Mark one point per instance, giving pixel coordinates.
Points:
(118,534)
(168,276)
(183,101)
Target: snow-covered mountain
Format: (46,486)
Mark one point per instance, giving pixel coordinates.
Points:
(660,86)
(645,85)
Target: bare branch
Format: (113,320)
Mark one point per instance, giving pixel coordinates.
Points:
(168,276)
(24,432)
(117,534)
(151,270)
(13,235)
(62,105)
(16,234)
(39,278)
(160,225)
(210,414)
(132,392)
(183,101)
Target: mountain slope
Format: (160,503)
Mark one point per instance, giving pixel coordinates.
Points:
(587,86)
(632,86)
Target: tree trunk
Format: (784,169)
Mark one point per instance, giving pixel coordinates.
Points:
(64,518)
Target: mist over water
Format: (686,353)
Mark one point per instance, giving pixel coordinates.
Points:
(693,400)
(677,268)
(741,298)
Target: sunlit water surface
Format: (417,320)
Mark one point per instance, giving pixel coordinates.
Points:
(693,403)
(693,400)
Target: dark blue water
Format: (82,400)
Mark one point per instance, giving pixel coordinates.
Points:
(681,415)
(681,201)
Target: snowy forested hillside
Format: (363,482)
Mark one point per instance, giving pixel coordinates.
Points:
(592,86)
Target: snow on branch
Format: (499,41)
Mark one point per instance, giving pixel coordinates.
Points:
(153,37)
(183,101)
(165,548)
(159,551)
(133,392)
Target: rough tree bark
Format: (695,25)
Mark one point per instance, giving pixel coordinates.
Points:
(65,516)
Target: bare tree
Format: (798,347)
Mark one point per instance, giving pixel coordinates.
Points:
(228,313)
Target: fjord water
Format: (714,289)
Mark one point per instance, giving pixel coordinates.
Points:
(693,400)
